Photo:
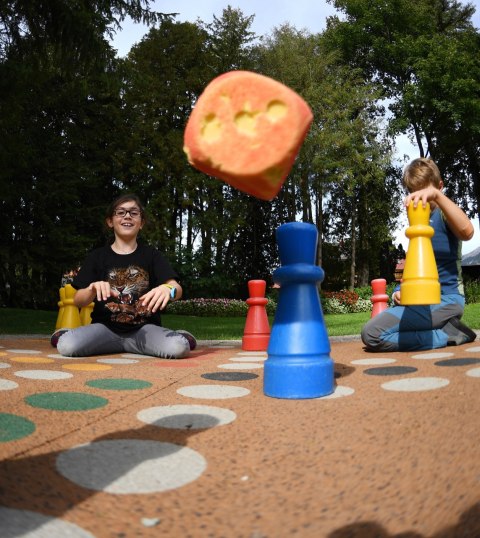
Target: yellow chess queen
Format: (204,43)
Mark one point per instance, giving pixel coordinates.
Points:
(420,285)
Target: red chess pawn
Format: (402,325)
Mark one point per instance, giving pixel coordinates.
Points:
(257,329)
(379,298)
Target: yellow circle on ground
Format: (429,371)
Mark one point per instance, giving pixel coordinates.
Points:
(87,367)
(2,353)
(36,360)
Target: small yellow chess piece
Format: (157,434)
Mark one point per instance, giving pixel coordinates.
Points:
(71,315)
(86,313)
(420,285)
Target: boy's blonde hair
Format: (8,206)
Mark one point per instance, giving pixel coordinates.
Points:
(421,173)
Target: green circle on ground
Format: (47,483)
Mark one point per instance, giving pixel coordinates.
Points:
(66,401)
(118,384)
(13,427)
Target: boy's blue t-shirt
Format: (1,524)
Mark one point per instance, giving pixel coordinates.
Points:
(448,254)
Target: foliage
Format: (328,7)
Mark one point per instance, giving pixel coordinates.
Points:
(215,307)
(78,126)
(344,302)
(472,291)
(425,55)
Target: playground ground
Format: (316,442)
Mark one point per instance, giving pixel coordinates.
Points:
(129,446)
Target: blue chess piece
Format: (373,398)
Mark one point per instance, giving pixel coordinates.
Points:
(299,363)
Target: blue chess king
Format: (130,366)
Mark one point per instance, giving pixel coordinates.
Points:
(299,363)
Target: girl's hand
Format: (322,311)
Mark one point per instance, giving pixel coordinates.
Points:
(157,298)
(102,290)
(396,297)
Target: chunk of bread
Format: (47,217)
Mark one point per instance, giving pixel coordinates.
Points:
(247,129)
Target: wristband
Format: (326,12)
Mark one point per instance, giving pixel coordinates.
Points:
(173,291)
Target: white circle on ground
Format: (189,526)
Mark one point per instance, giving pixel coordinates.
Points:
(339,392)
(29,524)
(253,353)
(6,384)
(415,384)
(213,392)
(370,362)
(5,365)
(248,359)
(136,356)
(475,349)
(24,351)
(431,356)
(186,417)
(58,356)
(474,372)
(128,466)
(241,366)
(42,374)
(117,361)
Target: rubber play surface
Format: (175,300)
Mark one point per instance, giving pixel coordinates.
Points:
(130,446)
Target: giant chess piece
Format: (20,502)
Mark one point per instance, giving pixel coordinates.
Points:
(71,315)
(299,363)
(257,329)
(61,308)
(420,285)
(379,296)
(86,314)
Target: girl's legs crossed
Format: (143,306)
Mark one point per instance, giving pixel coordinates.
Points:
(158,342)
(93,339)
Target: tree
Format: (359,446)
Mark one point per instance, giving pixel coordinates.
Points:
(60,126)
(425,54)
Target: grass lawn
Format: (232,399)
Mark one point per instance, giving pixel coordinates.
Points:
(19,321)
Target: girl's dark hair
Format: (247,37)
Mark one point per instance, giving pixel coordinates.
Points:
(120,200)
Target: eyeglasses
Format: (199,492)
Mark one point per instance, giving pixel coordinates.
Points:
(134,213)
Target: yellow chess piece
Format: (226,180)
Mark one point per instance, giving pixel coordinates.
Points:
(420,285)
(61,307)
(71,315)
(85,314)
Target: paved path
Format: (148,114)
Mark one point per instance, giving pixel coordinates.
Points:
(131,446)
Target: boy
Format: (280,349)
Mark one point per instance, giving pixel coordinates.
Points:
(408,328)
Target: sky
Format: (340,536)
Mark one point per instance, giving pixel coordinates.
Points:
(310,15)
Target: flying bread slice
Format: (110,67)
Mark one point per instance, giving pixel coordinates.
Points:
(247,129)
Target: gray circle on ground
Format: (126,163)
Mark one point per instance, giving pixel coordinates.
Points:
(251,358)
(431,356)
(6,384)
(474,372)
(186,417)
(461,361)
(43,374)
(28,524)
(117,361)
(128,466)
(339,392)
(241,366)
(24,351)
(213,392)
(372,362)
(391,370)
(5,365)
(416,384)
(229,376)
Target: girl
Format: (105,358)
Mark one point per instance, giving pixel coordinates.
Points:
(130,284)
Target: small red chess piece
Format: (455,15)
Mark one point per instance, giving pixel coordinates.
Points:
(257,329)
(379,298)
